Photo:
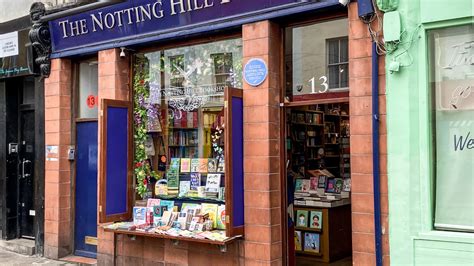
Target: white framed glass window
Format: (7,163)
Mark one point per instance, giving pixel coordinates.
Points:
(452,87)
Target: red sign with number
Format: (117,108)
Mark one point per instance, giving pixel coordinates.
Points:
(91,101)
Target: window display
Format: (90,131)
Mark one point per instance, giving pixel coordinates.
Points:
(186,105)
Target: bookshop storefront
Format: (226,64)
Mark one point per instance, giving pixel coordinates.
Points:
(213,135)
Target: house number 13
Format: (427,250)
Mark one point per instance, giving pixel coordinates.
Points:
(324,84)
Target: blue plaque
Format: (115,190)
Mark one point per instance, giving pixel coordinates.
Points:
(255,72)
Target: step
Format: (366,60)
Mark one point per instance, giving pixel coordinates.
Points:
(20,246)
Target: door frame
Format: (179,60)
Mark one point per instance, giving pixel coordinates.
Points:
(39,172)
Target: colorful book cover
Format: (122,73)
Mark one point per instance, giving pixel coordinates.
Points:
(347,185)
(302,218)
(173,180)
(331,185)
(195,165)
(174,164)
(185,165)
(322,181)
(298,185)
(168,203)
(153,202)
(195,181)
(210,209)
(311,242)
(212,165)
(298,241)
(305,186)
(213,182)
(313,183)
(315,219)
(203,165)
(338,185)
(221,165)
(184,187)
(158,211)
(221,217)
(186,206)
(139,215)
(161,187)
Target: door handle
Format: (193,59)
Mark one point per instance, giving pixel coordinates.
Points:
(23,175)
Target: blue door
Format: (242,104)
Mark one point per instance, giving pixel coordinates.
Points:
(86,190)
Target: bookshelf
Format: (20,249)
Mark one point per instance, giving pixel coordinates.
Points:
(318,138)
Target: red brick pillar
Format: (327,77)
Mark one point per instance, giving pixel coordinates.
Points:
(114,83)
(57,225)
(263,241)
(360,83)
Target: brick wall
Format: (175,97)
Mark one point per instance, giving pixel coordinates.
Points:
(57,213)
(360,83)
(263,240)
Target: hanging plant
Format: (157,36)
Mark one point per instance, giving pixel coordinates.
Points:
(141,110)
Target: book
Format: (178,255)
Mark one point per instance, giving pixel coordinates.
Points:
(184,187)
(311,242)
(188,206)
(221,165)
(212,165)
(305,185)
(330,185)
(203,165)
(315,219)
(168,203)
(194,165)
(313,183)
(347,185)
(157,214)
(173,180)
(153,202)
(298,241)
(221,217)
(211,210)
(174,164)
(161,187)
(195,181)
(322,181)
(338,185)
(183,219)
(139,215)
(298,185)
(302,218)
(185,165)
(213,183)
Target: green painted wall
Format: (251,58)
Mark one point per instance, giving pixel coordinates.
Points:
(412,238)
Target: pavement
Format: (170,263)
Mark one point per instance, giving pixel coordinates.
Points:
(8,258)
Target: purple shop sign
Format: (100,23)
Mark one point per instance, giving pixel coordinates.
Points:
(141,19)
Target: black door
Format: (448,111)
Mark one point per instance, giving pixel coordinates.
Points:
(26,208)
(20,158)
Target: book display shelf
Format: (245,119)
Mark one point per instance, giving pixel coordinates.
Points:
(194,189)
(318,152)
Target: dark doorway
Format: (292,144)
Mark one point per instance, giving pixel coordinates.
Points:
(20,157)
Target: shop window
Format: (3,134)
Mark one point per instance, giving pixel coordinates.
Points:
(338,63)
(452,88)
(188,143)
(88,88)
(316,60)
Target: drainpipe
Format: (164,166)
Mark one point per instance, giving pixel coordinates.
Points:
(376,155)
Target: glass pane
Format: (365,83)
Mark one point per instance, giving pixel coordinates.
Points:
(344,50)
(452,82)
(333,51)
(333,76)
(308,51)
(28,91)
(88,85)
(179,119)
(344,74)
